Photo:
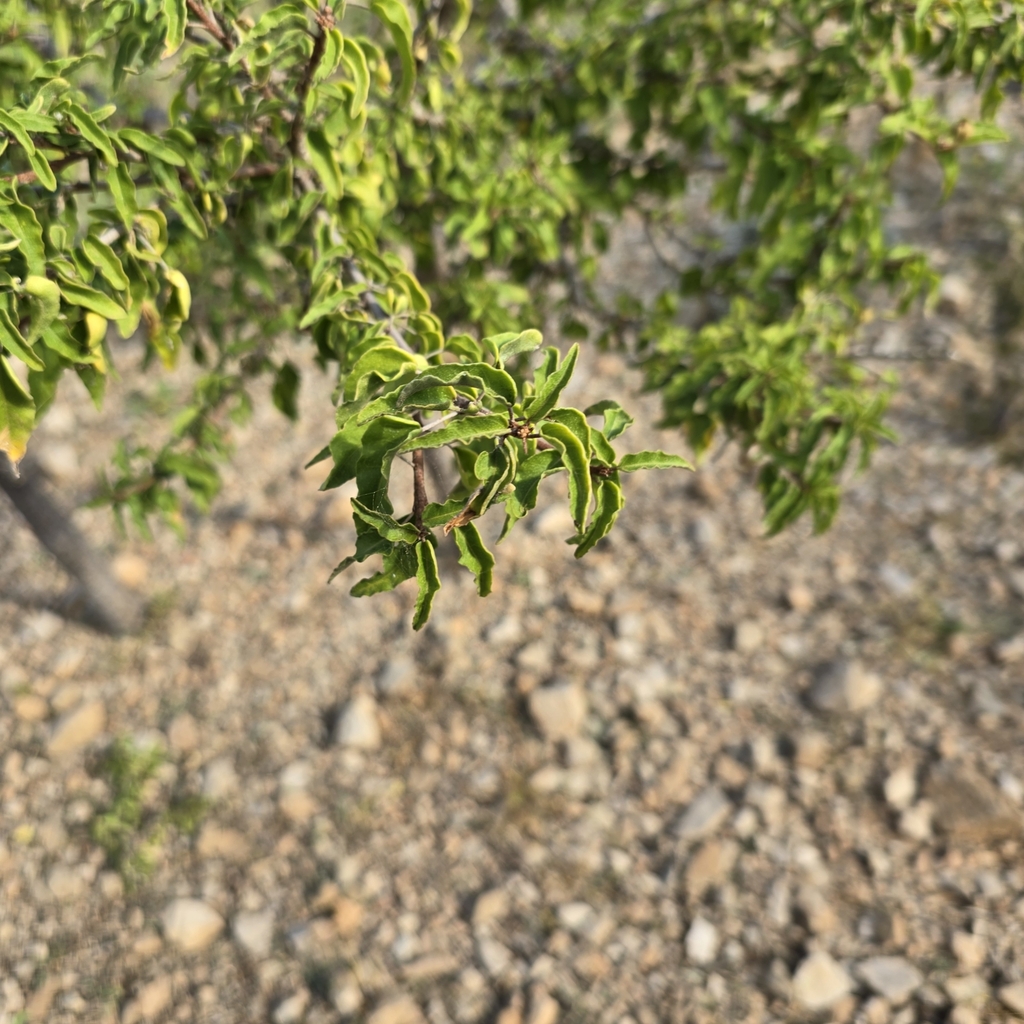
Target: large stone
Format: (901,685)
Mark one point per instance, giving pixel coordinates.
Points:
(77,728)
(219,779)
(358,727)
(845,686)
(701,942)
(1012,997)
(65,882)
(970,808)
(253,930)
(191,924)
(819,983)
(559,710)
(403,1010)
(151,1000)
(705,815)
(398,676)
(893,977)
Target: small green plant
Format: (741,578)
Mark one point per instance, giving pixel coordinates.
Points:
(128,831)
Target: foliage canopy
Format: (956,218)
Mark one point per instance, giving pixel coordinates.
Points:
(216,175)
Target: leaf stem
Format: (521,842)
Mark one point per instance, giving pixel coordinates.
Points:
(419,483)
(210,24)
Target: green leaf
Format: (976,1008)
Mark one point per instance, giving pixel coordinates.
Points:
(176,18)
(44,172)
(45,303)
(525,341)
(475,556)
(89,298)
(428,580)
(386,525)
(461,430)
(91,132)
(11,124)
(65,66)
(394,14)
(192,218)
(576,460)
(491,380)
(106,261)
(321,156)
(355,61)
(146,143)
(380,444)
(21,221)
(401,563)
(552,387)
(11,339)
(285,391)
(17,414)
(527,485)
(58,338)
(122,191)
(616,419)
(652,460)
(609,504)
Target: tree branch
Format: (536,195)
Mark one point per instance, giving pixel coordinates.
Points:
(27,177)
(419,484)
(325,19)
(210,24)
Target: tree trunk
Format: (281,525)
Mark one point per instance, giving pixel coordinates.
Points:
(106,604)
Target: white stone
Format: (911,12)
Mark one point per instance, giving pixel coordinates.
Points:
(219,779)
(845,686)
(403,1010)
(748,636)
(398,676)
(77,728)
(969,950)
(346,995)
(295,776)
(495,957)
(183,733)
(559,710)
(358,727)
(154,997)
(705,815)
(701,942)
(893,977)
(65,883)
(292,1009)
(575,917)
(916,821)
(901,788)
(1012,997)
(490,906)
(819,982)
(191,924)
(254,931)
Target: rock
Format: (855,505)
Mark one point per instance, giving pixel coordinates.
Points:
(800,598)
(65,883)
(216,843)
(77,728)
(348,916)
(969,807)
(346,995)
(845,686)
(219,779)
(896,580)
(13,999)
(964,1015)
(253,930)
(901,788)
(183,734)
(747,636)
(490,906)
(819,983)
(398,676)
(544,1009)
(131,570)
(1012,997)
(430,967)
(968,989)
(559,711)
(916,821)
(812,750)
(1011,787)
(358,727)
(402,1010)
(710,866)
(1007,652)
(576,916)
(151,1000)
(292,1009)
(969,950)
(893,977)
(30,707)
(701,942)
(706,813)
(495,957)
(191,924)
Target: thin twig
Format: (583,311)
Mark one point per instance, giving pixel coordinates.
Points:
(27,177)
(325,19)
(419,485)
(210,24)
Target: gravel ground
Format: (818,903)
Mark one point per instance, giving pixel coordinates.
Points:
(700,776)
